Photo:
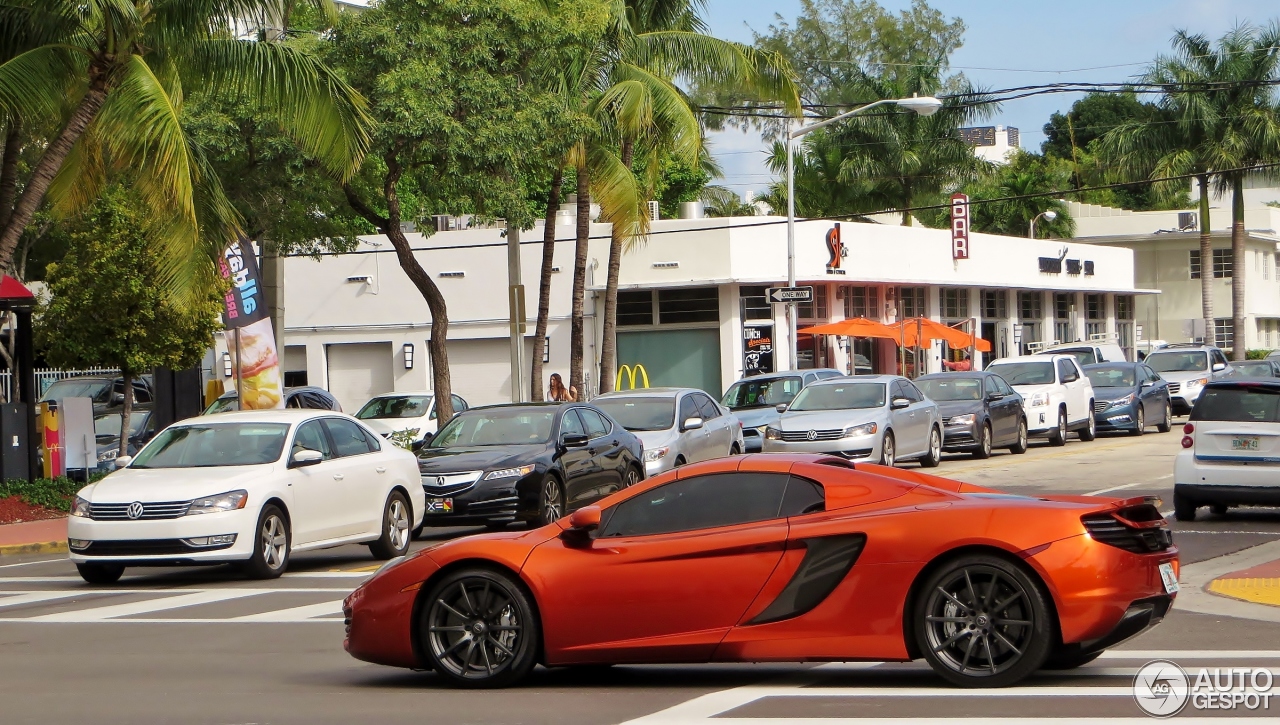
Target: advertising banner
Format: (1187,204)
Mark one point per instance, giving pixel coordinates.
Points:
(959,226)
(251,339)
(757,349)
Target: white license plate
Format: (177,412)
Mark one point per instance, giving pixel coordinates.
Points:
(439,505)
(1244,444)
(1169,578)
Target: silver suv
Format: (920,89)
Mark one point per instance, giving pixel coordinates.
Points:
(1189,367)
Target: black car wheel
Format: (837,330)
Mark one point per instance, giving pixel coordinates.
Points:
(1184,509)
(1020,446)
(478,629)
(632,477)
(1166,423)
(1090,431)
(1058,437)
(983,622)
(984,442)
(933,457)
(100,573)
(550,501)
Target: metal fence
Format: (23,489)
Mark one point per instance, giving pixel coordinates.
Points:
(48,376)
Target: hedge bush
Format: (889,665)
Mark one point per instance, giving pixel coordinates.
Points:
(50,493)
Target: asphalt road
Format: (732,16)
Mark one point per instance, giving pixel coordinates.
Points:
(200,646)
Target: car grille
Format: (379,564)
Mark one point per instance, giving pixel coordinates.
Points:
(144,547)
(447,484)
(1101,405)
(495,508)
(800,436)
(1175,387)
(150,511)
(1106,529)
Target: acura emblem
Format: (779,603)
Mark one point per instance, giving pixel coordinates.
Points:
(135,510)
(440,480)
(812,435)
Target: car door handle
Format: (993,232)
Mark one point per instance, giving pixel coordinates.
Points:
(338,476)
(381,469)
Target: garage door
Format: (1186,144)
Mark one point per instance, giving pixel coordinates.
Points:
(359,371)
(481,369)
(677,358)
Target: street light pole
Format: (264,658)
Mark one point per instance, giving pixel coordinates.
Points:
(923,105)
(1049,216)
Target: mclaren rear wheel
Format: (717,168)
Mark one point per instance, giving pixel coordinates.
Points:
(982,621)
(478,629)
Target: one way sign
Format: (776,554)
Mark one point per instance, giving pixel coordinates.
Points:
(791,294)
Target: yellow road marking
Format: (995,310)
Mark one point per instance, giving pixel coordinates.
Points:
(1262,590)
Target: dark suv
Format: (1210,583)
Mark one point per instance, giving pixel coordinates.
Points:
(106,392)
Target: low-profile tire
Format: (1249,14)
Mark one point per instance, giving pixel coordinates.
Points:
(271,544)
(1184,509)
(478,629)
(1218,509)
(1058,437)
(984,442)
(1166,424)
(1090,431)
(100,573)
(550,500)
(933,456)
(888,449)
(1070,660)
(397,518)
(1139,423)
(734,450)
(1020,445)
(632,477)
(983,621)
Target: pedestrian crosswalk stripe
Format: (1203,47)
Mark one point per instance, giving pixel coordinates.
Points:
(95,608)
(146,606)
(294,614)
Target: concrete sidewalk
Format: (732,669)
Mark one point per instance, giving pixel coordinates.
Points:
(1259,584)
(34,537)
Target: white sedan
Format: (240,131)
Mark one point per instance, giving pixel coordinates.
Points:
(248,488)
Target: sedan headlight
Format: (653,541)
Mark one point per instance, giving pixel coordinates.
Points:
(1039,399)
(655,454)
(773,434)
(865,429)
(509,472)
(966,419)
(1121,401)
(80,507)
(108,455)
(229,501)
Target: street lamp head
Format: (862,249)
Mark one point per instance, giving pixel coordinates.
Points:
(1050,215)
(923,105)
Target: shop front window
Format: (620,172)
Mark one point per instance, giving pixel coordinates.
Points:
(912,302)
(862,302)
(1062,305)
(755,303)
(1095,308)
(816,310)
(995,304)
(954,303)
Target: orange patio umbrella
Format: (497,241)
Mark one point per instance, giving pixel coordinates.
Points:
(853,327)
(930,330)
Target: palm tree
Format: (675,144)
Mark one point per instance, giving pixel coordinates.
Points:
(819,190)
(1025,175)
(721,202)
(117,72)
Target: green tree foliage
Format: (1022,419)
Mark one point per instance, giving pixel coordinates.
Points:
(1026,173)
(678,181)
(104,307)
(719,201)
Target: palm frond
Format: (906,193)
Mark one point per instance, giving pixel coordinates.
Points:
(35,82)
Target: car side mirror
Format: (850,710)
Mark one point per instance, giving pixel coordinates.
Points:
(692,424)
(419,445)
(573,440)
(995,396)
(780,407)
(117,397)
(1219,367)
(123,461)
(305,457)
(585,519)
(899,404)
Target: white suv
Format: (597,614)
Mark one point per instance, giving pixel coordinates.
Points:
(1188,368)
(1230,449)
(1056,393)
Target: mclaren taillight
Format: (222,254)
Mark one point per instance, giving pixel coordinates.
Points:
(1134,527)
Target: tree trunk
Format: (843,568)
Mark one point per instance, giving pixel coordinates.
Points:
(54,154)
(442,384)
(576,327)
(126,413)
(9,170)
(1240,338)
(1206,260)
(609,346)
(536,393)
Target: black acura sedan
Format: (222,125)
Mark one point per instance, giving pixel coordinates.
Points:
(979,411)
(533,462)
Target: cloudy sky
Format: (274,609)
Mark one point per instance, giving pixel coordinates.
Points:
(1010,43)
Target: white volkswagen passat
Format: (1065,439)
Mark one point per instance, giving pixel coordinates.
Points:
(248,488)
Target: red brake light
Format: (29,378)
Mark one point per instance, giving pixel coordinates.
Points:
(1189,428)
(1187,442)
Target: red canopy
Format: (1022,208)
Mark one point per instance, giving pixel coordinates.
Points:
(12,289)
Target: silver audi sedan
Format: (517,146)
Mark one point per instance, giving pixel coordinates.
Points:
(676,425)
(879,418)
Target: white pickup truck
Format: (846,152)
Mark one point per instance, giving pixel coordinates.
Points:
(1056,394)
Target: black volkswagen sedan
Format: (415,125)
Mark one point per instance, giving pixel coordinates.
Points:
(1129,396)
(528,462)
(979,411)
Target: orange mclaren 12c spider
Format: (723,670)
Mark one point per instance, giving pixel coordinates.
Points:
(781,558)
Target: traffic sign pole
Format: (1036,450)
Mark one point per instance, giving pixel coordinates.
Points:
(791,251)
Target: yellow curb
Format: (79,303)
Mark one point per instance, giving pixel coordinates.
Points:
(1264,590)
(47,547)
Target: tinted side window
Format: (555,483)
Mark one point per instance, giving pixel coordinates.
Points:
(1003,386)
(459,404)
(802,497)
(688,409)
(913,393)
(895,391)
(706,408)
(141,394)
(1066,371)
(311,436)
(702,502)
(348,438)
(595,424)
(991,386)
(571,424)
(1219,358)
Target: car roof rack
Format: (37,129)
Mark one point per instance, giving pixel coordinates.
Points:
(1035,348)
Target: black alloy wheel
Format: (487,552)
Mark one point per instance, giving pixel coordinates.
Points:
(981,621)
(550,501)
(478,629)
(1139,423)
(100,573)
(1020,445)
(1058,437)
(933,456)
(1166,423)
(984,442)
(1090,431)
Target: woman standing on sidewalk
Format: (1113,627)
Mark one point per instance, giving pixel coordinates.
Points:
(557,393)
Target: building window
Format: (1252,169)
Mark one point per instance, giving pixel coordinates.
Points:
(1222,262)
(1195,263)
(995,304)
(755,303)
(635,307)
(1095,311)
(1264,261)
(816,310)
(954,303)
(862,302)
(1062,317)
(1030,306)
(912,302)
(697,304)
(1124,307)
(1223,332)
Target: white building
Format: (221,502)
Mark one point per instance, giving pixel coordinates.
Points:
(688,296)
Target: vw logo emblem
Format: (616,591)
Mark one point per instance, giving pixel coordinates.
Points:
(440,480)
(812,435)
(135,510)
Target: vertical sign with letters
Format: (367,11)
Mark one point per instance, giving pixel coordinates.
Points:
(959,226)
